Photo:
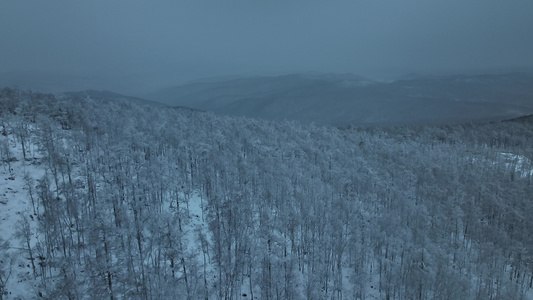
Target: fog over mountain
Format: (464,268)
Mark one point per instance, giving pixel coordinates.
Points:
(134,46)
(344,100)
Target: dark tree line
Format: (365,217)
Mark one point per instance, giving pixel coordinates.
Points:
(289,211)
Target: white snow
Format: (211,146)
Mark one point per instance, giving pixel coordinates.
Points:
(15,204)
(518,163)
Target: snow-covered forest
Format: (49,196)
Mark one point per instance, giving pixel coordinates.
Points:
(123,201)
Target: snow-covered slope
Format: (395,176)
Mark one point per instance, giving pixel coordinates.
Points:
(147,203)
(16,211)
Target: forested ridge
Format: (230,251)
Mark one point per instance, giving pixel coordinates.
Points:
(288,211)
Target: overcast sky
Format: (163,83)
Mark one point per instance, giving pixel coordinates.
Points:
(197,38)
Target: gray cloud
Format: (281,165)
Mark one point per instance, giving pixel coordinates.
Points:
(206,37)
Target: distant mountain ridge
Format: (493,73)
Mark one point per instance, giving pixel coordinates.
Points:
(347,99)
(527,119)
(51,82)
(108,95)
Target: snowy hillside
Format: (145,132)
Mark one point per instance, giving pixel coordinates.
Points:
(18,220)
(22,263)
(142,202)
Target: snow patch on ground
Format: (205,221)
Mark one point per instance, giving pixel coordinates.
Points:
(15,204)
(518,163)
